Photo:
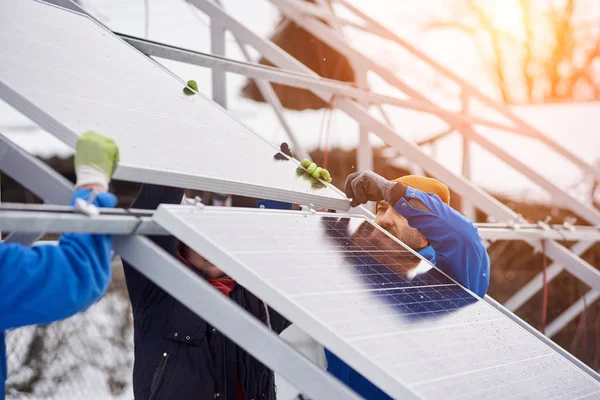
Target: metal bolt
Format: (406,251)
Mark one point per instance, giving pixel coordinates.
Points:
(404,205)
(187,338)
(175,334)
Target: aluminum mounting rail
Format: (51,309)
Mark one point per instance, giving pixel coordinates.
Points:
(297,80)
(31,218)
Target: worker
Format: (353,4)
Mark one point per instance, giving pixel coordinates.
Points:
(178,355)
(416,210)
(45,283)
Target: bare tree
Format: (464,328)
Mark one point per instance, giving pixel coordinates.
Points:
(549,52)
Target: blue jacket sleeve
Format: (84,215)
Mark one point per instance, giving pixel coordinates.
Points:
(459,250)
(46,283)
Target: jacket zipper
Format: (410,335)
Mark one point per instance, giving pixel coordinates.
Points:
(160,371)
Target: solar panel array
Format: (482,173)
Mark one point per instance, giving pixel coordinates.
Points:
(404,325)
(78,73)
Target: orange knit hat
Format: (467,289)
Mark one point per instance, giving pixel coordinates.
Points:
(428,185)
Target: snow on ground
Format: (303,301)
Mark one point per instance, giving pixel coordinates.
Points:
(75,358)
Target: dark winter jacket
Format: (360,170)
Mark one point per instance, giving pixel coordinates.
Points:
(178,355)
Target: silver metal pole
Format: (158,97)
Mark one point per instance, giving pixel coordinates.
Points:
(571,313)
(217,46)
(271,97)
(536,284)
(467,208)
(199,296)
(526,129)
(235,322)
(482,200)
(364,151)
(543,338)
(295,79)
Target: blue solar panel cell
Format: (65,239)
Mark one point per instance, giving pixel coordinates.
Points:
(376,304)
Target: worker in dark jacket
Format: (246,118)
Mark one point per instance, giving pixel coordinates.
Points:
(416,210)
(178,356)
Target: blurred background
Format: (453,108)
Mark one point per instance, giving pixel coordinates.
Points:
(541,57)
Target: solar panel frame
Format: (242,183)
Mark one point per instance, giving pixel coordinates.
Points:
(170,217)
(266,182)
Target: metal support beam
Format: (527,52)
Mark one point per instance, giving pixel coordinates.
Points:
(468,89)
(295,79)
(364,151)
(466,207)
(198,295)
(472,91)
(535,232)
(571,313)
(18,164)
(217,46)
(36,222)
(235,322)
(333,39)
(585,211)
(268,93)
(55,219)
(482,200)
(68,4)
(570,357)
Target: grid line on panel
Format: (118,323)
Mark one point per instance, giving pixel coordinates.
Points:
(587,396)
(445,356)
(359,291)
(514,371)
(428,381)
(475,344)
(402,318)
(463,396)
(411,314)
(383,335)
(537,389)
(382,306)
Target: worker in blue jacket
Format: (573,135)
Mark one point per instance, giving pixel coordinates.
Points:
(416,210)
(46,283)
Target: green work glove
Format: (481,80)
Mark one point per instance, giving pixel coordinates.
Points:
(96,158)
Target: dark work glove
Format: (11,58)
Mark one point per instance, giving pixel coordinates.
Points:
(366,186)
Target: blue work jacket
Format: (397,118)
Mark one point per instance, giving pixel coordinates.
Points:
(455,248)
(46,283)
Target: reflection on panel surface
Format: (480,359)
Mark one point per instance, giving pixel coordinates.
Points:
(390,307)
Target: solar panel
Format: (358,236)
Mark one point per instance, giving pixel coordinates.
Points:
(401,323)
(69,74)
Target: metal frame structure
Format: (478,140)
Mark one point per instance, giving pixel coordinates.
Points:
(32,218)
(167,272)
(308,17)
(354,101)
(157,265)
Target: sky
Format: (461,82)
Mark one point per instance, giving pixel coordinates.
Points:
(177,23)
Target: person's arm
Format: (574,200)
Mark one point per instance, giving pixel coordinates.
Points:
(459,250)
(46,283)
(142,291)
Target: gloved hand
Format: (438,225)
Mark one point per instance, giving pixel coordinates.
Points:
(96,158)
(366,186)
